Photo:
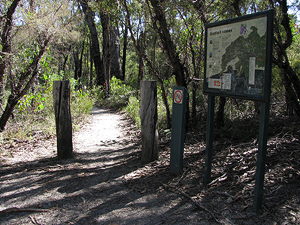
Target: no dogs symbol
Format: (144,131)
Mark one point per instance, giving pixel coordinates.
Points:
(178,95)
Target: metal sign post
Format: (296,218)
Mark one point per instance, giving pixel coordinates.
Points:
(261,155)
(209,139)
(178,129)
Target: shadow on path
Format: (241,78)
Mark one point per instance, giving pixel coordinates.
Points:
(92,187)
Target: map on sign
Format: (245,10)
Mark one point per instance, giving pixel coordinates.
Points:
(236,56)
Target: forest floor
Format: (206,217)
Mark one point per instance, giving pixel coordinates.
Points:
(105,182)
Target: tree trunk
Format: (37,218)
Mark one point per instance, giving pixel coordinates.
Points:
(6,43)
(293,78)
(150,65)
(78,62)
(91,68)
(179,70)
(105,21)
(292,104)
(220,113)
(95,50)
(148,114)
(11,103)
(196,67)
(24,83)
(115,64)
(77,72)
(280,58)
(65,62)
(141,47)
(124,51)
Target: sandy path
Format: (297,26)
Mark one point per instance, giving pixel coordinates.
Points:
(103,184)
(103,127)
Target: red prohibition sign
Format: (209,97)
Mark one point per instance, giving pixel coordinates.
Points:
(178,96)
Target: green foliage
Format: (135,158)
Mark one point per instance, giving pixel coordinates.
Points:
(119,89)
(35,114)
(133,110)
(97,93)
(117,98)
(29,101)
(70,33)
(132,69)
(161,109)
(81,105)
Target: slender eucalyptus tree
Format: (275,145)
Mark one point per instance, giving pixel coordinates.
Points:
(26,39)
(162,28)
(283,39)
(95,47)
(6,23)
(148,62)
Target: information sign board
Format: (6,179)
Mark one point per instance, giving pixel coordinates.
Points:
(238,57)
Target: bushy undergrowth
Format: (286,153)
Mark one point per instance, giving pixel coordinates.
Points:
(81,105)
(124,97)
(133,110)
(118,97)
(161,109)
(34,114)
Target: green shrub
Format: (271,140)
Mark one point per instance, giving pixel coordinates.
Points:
(34,113)
(133,110)
(81,105)
(118,97)
(97,93)
(161,109)
(118,89)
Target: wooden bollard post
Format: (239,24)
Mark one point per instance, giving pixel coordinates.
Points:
(62,109)
(148,115)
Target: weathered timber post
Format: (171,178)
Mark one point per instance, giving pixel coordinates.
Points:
(62,109)
(148,115)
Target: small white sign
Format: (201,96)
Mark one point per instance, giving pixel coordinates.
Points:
(226,81)
(252,71)
(214,83)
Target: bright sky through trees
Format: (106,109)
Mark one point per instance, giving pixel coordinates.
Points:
(294,8)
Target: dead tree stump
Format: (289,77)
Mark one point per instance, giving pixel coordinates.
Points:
(62,109)
(148,115)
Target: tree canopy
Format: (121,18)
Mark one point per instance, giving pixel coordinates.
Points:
(93,41)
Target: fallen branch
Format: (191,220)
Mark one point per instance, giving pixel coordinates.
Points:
(221,178)
(234,198)
(183,176)
(15,209)
(273,191)
(33,220)
(199,206)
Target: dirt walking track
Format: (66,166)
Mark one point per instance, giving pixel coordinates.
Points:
(105,183)
(94,187)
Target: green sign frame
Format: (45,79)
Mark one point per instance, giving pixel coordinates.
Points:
(241,70)
(238,57)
